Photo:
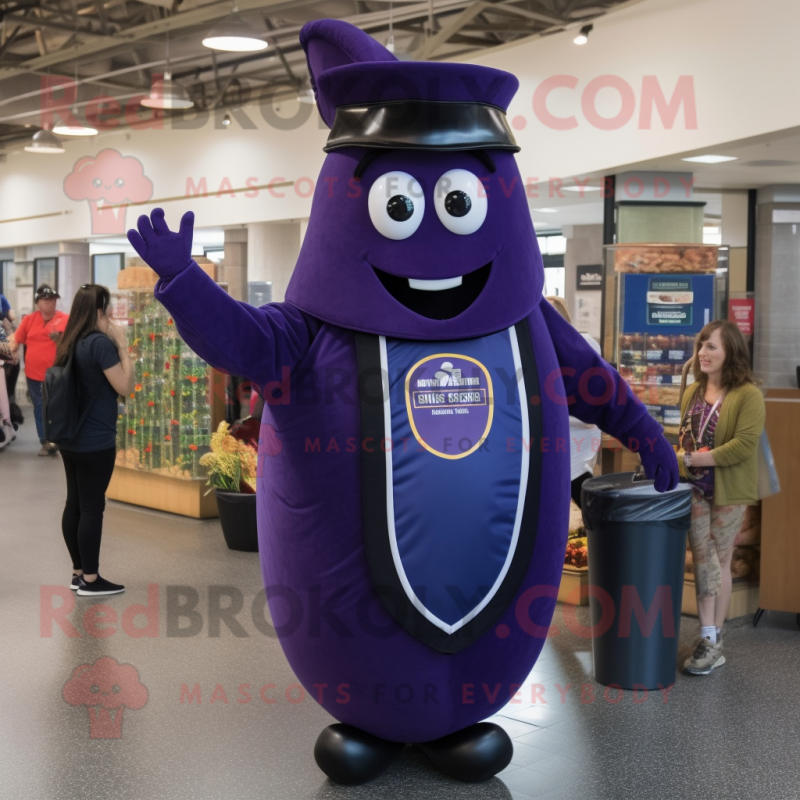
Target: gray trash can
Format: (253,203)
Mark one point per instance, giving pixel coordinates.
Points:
(637,550)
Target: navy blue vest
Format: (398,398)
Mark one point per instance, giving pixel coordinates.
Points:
(451,489)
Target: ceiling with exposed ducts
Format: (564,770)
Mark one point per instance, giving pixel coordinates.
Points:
(116,48)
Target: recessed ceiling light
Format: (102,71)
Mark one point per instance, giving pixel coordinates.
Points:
(546,210)
(710,159)
(580,188)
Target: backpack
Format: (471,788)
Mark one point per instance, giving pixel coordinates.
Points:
(62,400)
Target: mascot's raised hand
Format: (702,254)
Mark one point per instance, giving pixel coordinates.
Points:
(165,251)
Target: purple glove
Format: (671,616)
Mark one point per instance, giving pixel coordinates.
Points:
(166,252)
(660,464)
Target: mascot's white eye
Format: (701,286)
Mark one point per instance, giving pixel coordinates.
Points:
(396,205)
(460,201)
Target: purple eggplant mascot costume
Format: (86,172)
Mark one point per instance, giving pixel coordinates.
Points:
(413,499)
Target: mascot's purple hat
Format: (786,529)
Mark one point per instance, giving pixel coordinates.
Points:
(369,98)
(423,119)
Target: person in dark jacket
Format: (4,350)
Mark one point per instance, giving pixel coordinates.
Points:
(40,332)
(104,370)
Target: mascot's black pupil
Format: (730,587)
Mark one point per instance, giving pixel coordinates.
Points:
(400,208)
(457,204)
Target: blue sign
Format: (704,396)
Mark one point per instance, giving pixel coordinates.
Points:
(658,303)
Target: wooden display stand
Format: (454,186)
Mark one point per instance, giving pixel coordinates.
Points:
(573,579)
(614,457)
(744,598)
(150,489)
(163,493)
(780,542)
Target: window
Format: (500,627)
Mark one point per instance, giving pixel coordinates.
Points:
(215,254)
(105,269)
(45,270)
(553,248)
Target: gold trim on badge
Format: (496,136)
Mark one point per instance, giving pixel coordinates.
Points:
(490,402)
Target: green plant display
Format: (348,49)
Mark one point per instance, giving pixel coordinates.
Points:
(164,426)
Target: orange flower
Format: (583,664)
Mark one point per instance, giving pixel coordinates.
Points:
(168,438)
(132,395)
(148,449)
(175,356)
(193,447)
(174,422)
(151,402)
(171,393)
(170,322)
(141,421)
(152,337)
(138,388)
(131,431)
(193,378)
(145,374)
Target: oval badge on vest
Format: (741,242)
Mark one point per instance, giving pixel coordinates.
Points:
(450,404)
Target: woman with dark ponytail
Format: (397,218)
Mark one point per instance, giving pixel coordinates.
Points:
(104,370)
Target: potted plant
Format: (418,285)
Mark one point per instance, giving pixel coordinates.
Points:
(231,466)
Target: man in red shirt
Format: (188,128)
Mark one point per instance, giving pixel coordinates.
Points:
(40,331)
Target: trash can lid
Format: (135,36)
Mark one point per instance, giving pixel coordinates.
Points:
(617,498)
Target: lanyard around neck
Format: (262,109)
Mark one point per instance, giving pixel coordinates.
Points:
(704,422)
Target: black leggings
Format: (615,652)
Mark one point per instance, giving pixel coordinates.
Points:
(88,476)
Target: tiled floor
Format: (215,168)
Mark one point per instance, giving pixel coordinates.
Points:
(734,734)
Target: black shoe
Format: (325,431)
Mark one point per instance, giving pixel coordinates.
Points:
(77,580)
(349,755)
(473,754)
(99,586)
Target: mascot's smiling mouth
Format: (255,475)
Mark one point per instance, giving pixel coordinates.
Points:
(436,299)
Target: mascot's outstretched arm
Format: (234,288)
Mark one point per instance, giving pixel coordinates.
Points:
(597,394)
(256,343)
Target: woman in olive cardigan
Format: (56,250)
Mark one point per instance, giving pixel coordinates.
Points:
(722,417)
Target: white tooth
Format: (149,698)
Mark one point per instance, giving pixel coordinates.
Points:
(435,286)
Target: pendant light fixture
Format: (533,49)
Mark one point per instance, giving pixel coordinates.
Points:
(75,130)
(306,94)
(583,36)
(165,93)
(234,35)
(390,40)
(45,141)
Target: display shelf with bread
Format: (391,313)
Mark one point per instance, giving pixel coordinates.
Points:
(663,294)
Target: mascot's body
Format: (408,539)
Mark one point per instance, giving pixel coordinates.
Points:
(413,499)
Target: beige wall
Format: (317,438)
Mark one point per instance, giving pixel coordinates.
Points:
(272,250)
